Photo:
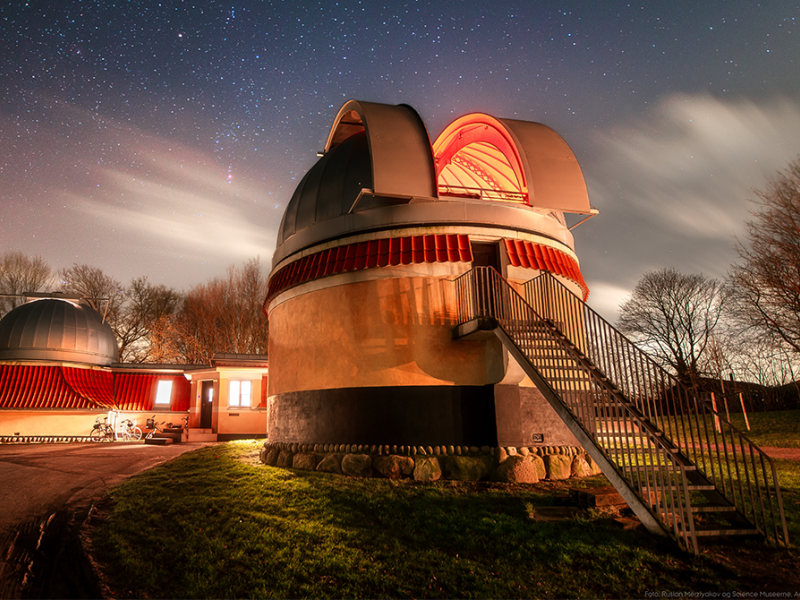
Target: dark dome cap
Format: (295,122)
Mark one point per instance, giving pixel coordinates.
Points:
(55,329)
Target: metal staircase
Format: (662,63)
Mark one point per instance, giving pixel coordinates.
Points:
(684,470)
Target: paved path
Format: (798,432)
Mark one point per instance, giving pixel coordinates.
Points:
(45,488)
(782,453)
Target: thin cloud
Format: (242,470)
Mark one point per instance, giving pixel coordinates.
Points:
(673,190)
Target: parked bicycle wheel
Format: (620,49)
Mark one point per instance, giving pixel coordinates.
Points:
(98,435)
(135,433)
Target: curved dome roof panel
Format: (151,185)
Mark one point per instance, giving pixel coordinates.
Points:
(329,188)
(555,179)
(347,172)
(399,146)
(55,329)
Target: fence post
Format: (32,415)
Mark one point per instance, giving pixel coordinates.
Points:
(716,414)
(744,412)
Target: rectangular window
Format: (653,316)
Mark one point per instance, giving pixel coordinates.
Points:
(164,392)
(240,393)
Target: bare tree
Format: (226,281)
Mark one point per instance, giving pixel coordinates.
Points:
(767,281)
(223,315)
(145,306)
(19,274)
(673,316)
(103,293)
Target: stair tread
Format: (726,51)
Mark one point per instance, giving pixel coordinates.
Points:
(724,532)
(707,508)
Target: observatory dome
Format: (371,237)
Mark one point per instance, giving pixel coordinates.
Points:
(56,329)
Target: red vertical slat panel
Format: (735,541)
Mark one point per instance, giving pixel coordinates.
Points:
(441,248)
(396,251)
(511,252)
(464,248)
(361,255)
(521,250)
(373,252)
(429,246)
(530,253)
(350,258)
(181,394)
(264,382)
(383,252)
(452,248)
(329,262)
(341,254)
(323,264)
(418,249)
(537,255)
(309,267)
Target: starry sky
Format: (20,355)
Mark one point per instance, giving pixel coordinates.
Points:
(166,138)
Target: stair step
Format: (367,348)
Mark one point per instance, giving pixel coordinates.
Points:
(660,468)
(159,441)
(201,437)
(712,508)
(724,532)
(691,487)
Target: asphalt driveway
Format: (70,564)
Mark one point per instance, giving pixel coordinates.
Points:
(46,492)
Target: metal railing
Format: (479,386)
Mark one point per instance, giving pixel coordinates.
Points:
(460,191)
(658,435)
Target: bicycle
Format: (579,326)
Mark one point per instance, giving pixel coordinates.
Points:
(102,432)
(129,431)
(185,425)
(153,427)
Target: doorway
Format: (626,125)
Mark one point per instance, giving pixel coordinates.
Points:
(486,254)
(487,291)
(206,404)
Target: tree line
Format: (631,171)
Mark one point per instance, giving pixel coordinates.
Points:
(155,323)
(746,327)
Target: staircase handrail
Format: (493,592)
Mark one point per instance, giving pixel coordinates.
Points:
(625,371)
(699,451)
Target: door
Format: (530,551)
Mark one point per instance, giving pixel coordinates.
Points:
(206,404)
(486,254)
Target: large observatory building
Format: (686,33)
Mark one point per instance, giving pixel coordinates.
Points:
(361,297)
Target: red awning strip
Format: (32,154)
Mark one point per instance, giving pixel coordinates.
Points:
(522,253)
(33,386)
(374,253)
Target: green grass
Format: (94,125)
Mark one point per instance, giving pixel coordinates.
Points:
(779,429)
(216,523)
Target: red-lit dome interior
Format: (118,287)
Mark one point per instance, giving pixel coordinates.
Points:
(476,157)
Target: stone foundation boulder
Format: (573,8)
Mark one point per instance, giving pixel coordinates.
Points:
(332,463)
(393,466)
(271,457)
(468,468)
(593,466)
(558,466)
(284,459)
(305,460)
(538,465)
(580,468)
(516,469)
(427,468)
(357,465)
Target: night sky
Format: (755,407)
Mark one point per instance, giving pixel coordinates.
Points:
(165,139)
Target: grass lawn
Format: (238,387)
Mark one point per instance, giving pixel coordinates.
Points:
(779,429)
(217,523)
